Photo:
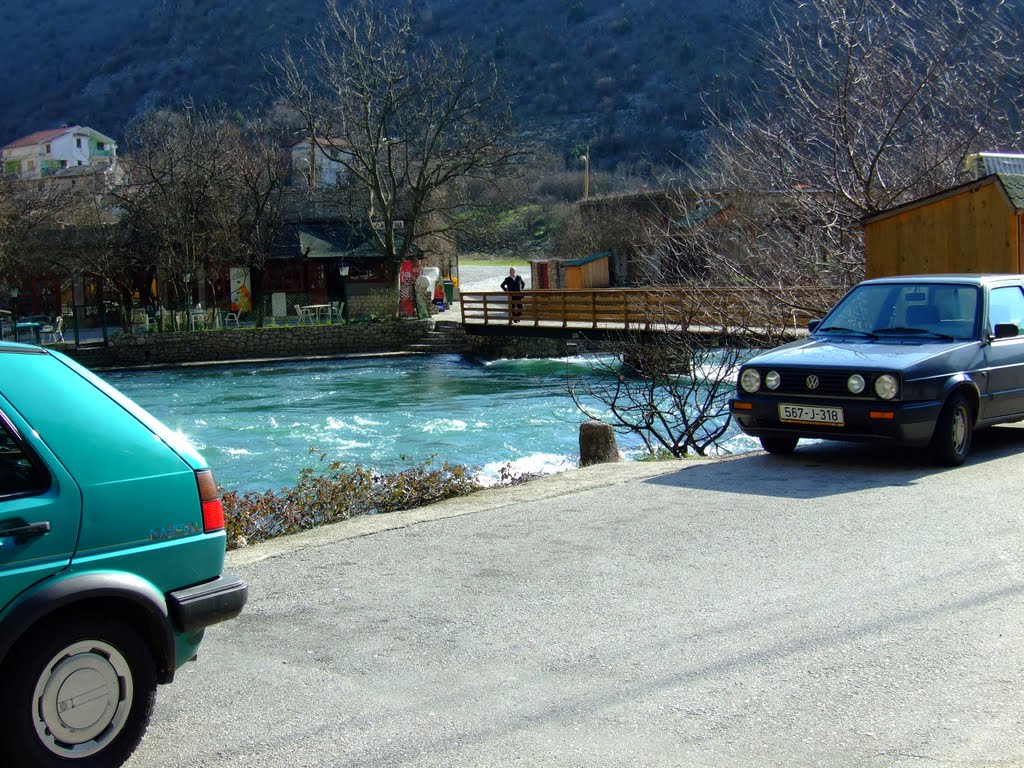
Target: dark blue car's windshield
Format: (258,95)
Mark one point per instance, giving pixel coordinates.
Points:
(918,310)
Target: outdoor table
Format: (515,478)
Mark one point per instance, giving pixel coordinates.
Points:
(320,312)
(35,329)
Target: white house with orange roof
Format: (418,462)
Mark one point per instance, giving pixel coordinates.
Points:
(51,152)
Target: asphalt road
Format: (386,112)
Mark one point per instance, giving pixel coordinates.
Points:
(846,606)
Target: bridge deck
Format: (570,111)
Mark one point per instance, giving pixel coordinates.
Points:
(697,310)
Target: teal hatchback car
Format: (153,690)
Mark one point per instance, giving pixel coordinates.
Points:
(111,554)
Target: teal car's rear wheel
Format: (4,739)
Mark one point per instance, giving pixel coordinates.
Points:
(81,693)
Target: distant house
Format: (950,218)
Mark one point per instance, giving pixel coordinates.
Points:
(974,227)
(312,168)
(58,151)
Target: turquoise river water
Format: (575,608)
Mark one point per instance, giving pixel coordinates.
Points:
(256,424)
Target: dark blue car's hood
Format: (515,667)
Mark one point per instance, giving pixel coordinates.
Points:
(851,352)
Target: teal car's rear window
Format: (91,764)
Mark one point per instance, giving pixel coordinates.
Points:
(20,473)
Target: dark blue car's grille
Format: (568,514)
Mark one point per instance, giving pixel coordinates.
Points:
(829,383)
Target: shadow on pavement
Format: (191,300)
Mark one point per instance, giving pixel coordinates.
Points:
(822,469)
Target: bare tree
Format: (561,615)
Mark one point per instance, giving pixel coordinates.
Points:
(674,373)
(871,104)
(28,209)
(413,125)
(95,244)
(182,195)
(260,220)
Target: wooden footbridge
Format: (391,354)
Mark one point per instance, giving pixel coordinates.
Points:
(712,312)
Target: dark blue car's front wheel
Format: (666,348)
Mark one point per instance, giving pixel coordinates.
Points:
(779,444)
(954,430)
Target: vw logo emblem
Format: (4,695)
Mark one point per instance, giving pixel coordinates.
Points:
(812,382)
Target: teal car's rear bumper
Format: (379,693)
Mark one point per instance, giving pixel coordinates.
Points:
(208,603)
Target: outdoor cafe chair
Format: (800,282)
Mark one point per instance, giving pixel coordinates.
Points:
(54,330)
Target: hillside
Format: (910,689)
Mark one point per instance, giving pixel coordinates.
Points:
(626,76)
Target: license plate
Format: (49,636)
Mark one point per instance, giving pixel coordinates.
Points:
(811,414)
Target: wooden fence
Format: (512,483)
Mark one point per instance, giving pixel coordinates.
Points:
(651,308)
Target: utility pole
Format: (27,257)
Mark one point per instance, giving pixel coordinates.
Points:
(586,172)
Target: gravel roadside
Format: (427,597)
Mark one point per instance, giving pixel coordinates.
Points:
(488,278)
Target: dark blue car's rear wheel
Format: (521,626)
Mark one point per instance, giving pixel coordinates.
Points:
(954,430)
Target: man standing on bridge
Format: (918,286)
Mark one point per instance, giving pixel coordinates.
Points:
(514,283)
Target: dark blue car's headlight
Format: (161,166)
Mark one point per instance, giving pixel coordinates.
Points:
(887,386)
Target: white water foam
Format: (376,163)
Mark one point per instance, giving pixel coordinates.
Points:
(449,425)
(535,464)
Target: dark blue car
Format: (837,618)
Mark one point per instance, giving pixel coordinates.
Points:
(918,360)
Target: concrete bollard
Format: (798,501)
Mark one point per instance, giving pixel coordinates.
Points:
(597,444)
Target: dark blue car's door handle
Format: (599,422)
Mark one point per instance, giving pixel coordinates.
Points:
(26,531)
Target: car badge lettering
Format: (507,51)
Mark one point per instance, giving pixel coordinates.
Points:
(175,531)
(812,382)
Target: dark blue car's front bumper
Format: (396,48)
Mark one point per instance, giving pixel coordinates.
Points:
(909,423)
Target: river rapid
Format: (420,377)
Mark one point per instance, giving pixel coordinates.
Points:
(259,425)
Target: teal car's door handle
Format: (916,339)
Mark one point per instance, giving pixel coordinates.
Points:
(26,531)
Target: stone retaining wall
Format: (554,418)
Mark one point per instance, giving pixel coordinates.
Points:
(515,347)
(412,336)
(170,348)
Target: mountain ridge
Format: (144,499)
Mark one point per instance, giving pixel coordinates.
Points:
(626,77)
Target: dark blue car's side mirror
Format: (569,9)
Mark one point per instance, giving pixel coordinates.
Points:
(812,325)
(1006,330)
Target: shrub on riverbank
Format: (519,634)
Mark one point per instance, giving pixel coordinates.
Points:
(338,492)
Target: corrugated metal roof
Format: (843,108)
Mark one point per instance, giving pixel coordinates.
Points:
(998,162)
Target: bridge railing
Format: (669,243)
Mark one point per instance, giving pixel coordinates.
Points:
(646,308)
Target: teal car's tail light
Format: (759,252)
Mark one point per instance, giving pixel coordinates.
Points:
(213,508)
(887,386)
(750,380)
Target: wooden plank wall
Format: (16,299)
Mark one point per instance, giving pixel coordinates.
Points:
(593,274)
(976,230)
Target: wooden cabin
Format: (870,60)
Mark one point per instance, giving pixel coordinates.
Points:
(583,274)
(587,273)
(976,227)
